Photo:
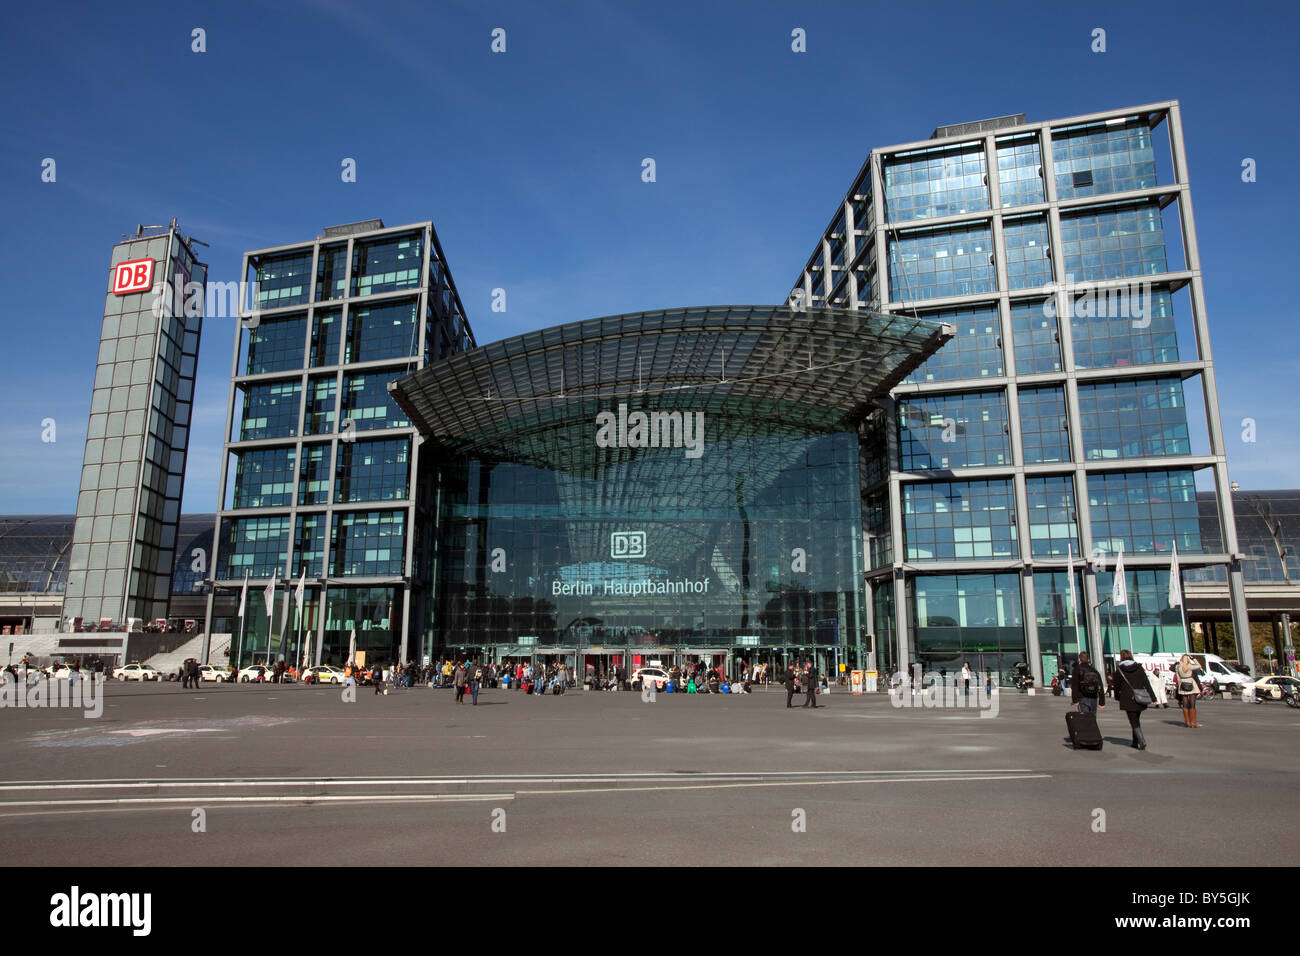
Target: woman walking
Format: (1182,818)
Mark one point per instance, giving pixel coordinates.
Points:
(461,679)
(1134,694)
(1189,688)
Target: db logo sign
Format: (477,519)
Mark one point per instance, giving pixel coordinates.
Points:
(133,276)
(627,544)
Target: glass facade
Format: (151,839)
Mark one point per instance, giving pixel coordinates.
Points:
(959,520)
(974,352)
(1136,418)
(1103,158)
(1053,528)
(1029,260)
(757,543)
(1044,425)
(961,430)
(1020,170)
(941,262)
(1113,243)
(935,182)
(967,619)
(1144,512)
(1037,338)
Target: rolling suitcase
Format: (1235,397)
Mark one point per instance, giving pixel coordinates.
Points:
(1083,729)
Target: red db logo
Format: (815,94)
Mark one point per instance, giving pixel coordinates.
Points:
(133,276)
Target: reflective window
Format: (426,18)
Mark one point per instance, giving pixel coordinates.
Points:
(1115,328)
(975,351)
(1105,158)
(258,546)
(325,337)
(1053,527)
(929,183)
(367,543)
(1145,511)
(942,262)
(1151,626)
(270,410)
(309,546)
(331,272)
(387,264)
(955,520)
(1062,627)
(367,404)
(967,429)
(263,477)
(1020,176)
(275,345)
(1044,434)
(1132,419)
(961,619)
(283,280)
(382,332)
(373,470)
(1029,262)
(321,392)
(1113,243)
(314,475)
(1037,338)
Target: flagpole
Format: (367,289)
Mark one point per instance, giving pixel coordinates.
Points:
(243,614)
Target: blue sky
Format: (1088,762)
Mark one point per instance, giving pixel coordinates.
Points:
(529,162)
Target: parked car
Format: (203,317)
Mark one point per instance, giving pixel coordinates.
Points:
(209,673)
(256,673)
(323,674)
(137,672)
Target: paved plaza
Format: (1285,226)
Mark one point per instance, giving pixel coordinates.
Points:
(294,775)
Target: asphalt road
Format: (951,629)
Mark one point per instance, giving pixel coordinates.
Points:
(262,775)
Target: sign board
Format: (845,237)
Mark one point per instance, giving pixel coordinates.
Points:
(748,640)
(869,679)
(526,640)
(133,276)
(361,658)
(856,682)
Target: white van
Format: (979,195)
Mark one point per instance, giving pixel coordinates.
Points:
(1214,667)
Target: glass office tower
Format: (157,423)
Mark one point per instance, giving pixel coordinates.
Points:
(124,540)
(323,474)
(1056,421)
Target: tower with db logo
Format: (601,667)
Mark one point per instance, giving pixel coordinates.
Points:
(133,470)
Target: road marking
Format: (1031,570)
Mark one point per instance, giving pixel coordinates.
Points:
(304,798)
(784,783)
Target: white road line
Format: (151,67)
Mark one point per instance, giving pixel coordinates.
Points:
(784,783)
(304,798)
(176,783)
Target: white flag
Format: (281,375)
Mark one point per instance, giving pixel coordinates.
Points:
(297,594)
(1119,592)
(1074,601)
(243,595)
(269,596)
(1175,588)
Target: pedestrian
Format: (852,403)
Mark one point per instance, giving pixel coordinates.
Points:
(475,681)
(965,676)
(1133,691)
(377,678)
(460,678)
(791,684)
(1086,688)
(810,683)
(1189,688)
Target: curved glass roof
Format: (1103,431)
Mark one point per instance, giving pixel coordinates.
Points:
(815,369)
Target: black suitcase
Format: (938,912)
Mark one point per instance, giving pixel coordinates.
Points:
(1083,729)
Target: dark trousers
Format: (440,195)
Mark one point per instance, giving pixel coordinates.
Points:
(460,693)
(1135,721)
(812,697)
(789,693)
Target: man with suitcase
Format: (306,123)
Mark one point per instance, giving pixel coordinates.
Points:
(1088,691)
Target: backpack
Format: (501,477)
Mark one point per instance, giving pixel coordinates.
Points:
(1090,682)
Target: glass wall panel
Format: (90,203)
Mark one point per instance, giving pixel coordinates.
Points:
(1151,626)
(975,351)
(1029,262)
(1053,526)
(956,520)
(331,272)
(966,429)
(1103,158)
(1133,419)
(322,391)
(926,184)
(387,264)
(283,279)
(373,470)
(1144,512)
(382,332)
(276,345)
(1061,625)
(314,475)
(1020,170)
(941,262)
(1120,327)
(1044,433)
(367,404)
(325,337)
(258,546)
(270,410)
(1037,337)
(368,543)
(263,477)
(970,619)
(1113,243)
